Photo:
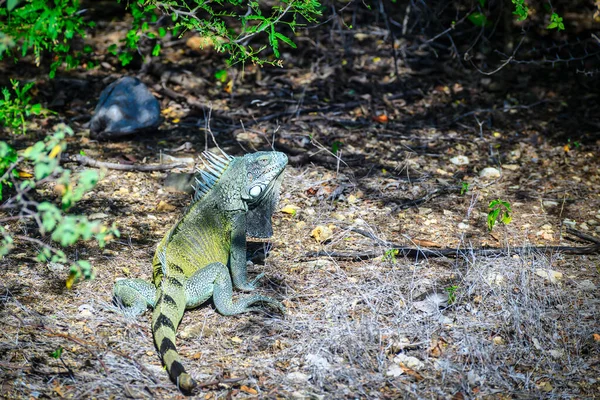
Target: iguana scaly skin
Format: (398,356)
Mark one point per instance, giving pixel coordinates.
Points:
(234,196)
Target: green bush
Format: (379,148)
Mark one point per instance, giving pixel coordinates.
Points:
(14,109)
(230,25)
(39,26)
(48,218)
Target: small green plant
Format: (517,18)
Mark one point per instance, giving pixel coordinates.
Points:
(15,109)
(556,22)
(40,26)
(464,188)
(390,255)
(499,211)
(57,353)
(229,25)
(451,290)
(23,174)
(336,146)
(521,9)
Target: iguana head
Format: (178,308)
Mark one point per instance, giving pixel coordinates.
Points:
(248,184)
(264,173)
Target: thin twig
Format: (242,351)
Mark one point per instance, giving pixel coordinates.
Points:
(90,162)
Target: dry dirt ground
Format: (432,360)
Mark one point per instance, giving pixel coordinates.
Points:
(521,326)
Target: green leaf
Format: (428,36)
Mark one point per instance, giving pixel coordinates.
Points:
(221,75)
(36,108)
(156,50)
(162,32)
(286,40)
(335,146)
(57,353)
(478,19)
(11,4)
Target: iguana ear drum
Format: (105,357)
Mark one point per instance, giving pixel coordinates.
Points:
(256,191)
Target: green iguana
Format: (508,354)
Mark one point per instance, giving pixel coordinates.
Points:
(234,196)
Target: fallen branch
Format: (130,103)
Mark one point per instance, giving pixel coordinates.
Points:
(90,162)
(426,252)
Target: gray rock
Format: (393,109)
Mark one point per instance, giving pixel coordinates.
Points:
(490,173)
(125,107)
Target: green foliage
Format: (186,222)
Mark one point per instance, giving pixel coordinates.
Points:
(390,255)
(499,211)
(464,188)
(63,228)
(42,26)
(451,290)
(556,22)
(228,24)
(478,19)
(14,109)
(521,9)
(57,353)
(336,146)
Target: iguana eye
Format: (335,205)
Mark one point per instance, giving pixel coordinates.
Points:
(255,191)
(263,161)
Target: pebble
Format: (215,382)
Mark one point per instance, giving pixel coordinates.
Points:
(490,173)
(587,286)
(298,377)
(548,274)
(460,160)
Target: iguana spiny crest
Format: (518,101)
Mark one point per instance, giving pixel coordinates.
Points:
(204,254)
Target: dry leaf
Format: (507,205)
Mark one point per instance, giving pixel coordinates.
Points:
(25,175)
(411,372)
(248,390)
(381,118)
(236,340)
(55,151)
(164,206)
(321,233)
(596,337)
(290,209)
(426,243)
(70,280)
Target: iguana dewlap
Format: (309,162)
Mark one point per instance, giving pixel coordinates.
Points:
(206,250)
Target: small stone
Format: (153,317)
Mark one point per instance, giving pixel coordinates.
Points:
(587,286)
(494,278)
(352,199)
(411,362)
(557,353)
(98,215)
(592,222)
(317,361)
(490,173)
(56,267)
(394,371)
(569,223)
(460,160)
(511,167)
(125,107)
(300,225)
(498,341)
(549,203)
(584,227)
(321,233)
(298,377)
(550,275)
(462,226)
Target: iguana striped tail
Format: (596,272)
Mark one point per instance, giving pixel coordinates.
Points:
(168,310)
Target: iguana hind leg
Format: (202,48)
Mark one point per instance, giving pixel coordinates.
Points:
(136,295)
(215,280)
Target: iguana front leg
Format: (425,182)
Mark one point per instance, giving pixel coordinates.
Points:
(214,280)
(237,254)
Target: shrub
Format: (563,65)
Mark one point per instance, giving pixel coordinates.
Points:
(21,175)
